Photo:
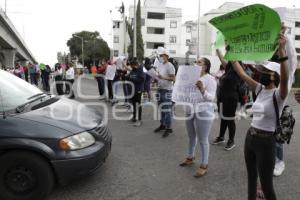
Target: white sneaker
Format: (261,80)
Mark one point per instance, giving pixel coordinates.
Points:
(279,168)
(137,124)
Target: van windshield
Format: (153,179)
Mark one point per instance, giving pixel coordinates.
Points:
(15,91)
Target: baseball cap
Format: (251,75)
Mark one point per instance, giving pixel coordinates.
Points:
(272,66)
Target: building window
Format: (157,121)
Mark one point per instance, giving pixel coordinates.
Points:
(172,39)
(188,42)
(188,29)
(151,30)
(116,53)
(297,37)
(173,24)
(154,45)
(116,39)
(298,50)
(153,15)
(172,51)
(116,25)
(194,28)
(297,24)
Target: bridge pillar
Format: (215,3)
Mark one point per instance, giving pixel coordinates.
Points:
(9,58)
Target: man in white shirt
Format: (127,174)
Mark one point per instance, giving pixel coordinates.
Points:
(166,75)
(70,76)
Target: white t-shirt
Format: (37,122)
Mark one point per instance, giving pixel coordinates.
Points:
(206,99)
(70,74)
(165,69)
(264,115)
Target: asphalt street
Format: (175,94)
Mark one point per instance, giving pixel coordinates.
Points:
(144,166)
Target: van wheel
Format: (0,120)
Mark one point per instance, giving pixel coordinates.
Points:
(24,176)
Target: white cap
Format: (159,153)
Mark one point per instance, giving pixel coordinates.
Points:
(159,50)
(272,66)
(164,52)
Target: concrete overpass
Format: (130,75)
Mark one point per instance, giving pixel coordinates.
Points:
(12,47)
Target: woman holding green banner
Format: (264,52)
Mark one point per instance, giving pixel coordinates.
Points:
(228,98)
(260,143)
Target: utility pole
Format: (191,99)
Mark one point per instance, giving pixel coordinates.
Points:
(81,48)
(122,11)
(198,43)
(112,36)
(134,36)
(5,7)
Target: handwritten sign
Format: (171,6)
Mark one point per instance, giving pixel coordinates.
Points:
(110,72)
(185,89)
(153,74)
(251,32)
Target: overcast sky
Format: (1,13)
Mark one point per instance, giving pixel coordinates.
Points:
(46,25)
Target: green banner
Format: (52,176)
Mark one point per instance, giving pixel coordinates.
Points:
(220,40)
(251,32)
(42,66)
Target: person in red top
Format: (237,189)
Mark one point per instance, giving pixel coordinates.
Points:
(25,69)
(100,78)
(94,70)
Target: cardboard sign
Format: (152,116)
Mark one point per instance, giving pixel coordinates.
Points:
(251,32)
(185,89)
(110,72)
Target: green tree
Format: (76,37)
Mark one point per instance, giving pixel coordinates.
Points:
(139,43)
(94,47)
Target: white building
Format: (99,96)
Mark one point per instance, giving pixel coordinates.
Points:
(161,26)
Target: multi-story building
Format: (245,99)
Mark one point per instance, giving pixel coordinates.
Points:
(161,26)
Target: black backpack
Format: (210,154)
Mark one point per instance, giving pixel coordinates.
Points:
(285,123)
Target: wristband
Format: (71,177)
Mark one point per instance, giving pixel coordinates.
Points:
(283,59)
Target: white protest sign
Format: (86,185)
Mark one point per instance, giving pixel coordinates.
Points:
(282,11)
(185,89)
(153,74)
(110,72)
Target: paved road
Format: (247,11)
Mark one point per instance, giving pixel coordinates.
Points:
(143,166)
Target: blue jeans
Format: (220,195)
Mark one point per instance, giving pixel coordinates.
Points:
(198,126)
(165,104)
(279,151)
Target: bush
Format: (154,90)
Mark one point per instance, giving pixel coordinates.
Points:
(297,79)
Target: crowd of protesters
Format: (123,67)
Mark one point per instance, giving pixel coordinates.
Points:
(231,86)
(236,83)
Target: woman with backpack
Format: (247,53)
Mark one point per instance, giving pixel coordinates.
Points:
(272,89)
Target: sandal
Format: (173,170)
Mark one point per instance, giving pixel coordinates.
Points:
(201,171)
(259,193)
(187,162)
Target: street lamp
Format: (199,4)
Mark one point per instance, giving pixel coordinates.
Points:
(81,48)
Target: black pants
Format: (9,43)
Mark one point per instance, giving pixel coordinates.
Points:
(136,101)
(110,89)
(227,106)
(260,161)
(101,84)
(230,124)
(59,85)
(69,90)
